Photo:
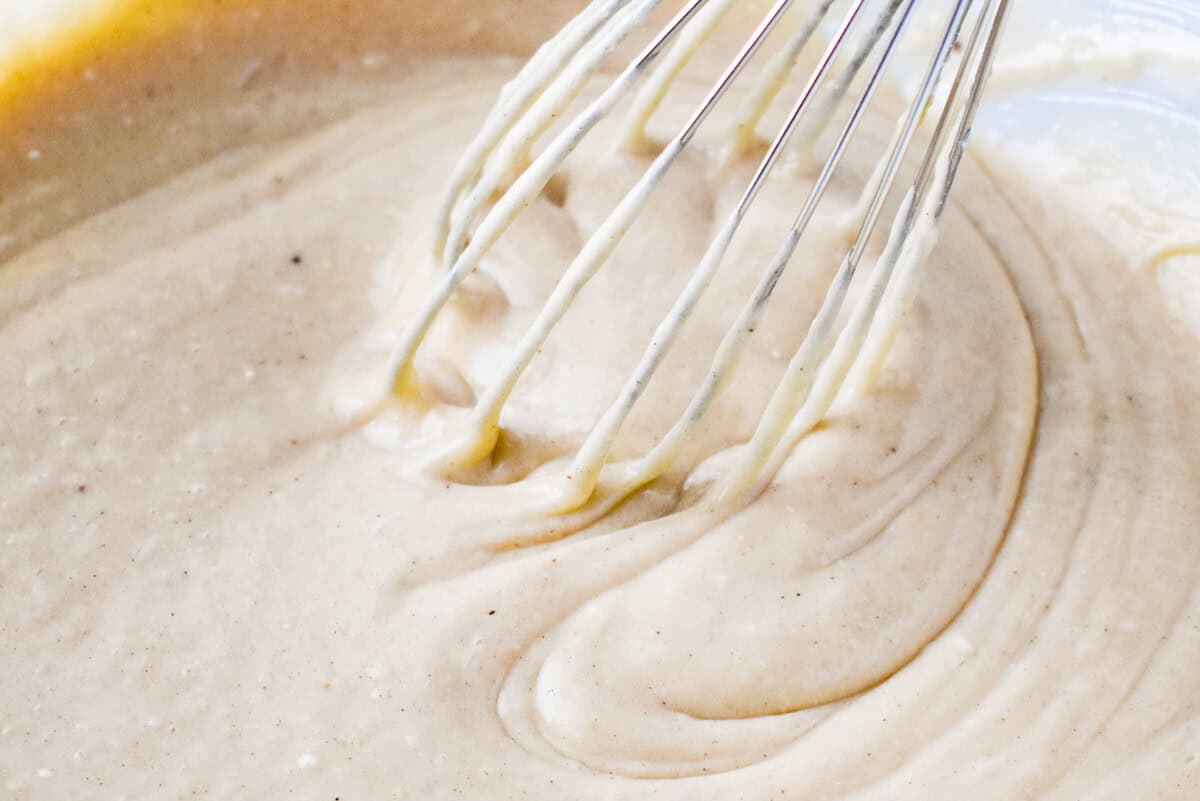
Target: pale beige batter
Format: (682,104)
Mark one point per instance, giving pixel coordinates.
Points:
(977,581)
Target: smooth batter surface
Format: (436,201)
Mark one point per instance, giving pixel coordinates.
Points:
(977,581)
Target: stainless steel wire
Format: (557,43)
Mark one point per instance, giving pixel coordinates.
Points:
(832,354)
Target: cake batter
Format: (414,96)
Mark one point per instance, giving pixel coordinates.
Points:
(978,580)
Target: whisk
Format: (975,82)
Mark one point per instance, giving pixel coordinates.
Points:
(483,199)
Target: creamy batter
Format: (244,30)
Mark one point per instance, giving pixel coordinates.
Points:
(977,580)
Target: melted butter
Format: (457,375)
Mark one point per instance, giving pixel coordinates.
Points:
(975,580)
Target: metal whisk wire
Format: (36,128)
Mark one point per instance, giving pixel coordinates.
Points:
(819,368)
